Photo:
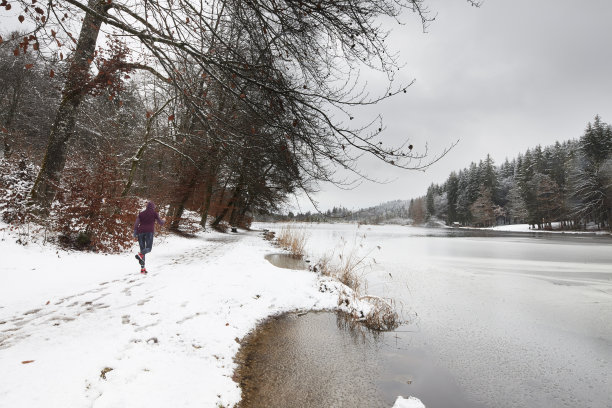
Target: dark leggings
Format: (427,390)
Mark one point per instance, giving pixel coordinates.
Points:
(145,240)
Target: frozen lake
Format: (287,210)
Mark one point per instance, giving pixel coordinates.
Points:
(512,320)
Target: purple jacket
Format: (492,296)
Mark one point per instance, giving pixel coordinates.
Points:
(145,222)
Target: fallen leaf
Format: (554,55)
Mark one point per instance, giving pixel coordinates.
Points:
(27,362)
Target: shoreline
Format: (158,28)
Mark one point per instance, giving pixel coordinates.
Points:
(121,338)
(511,228)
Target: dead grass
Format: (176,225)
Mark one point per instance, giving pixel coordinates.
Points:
(383,316)
(292,239)
(349,269)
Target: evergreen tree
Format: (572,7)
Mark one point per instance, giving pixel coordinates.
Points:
(569,182)
(596,144)
(547,199)
(452,192)
(591,178)
(482,209)
(464,215)
(431,209)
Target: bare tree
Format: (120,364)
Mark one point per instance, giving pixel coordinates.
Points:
(289,66)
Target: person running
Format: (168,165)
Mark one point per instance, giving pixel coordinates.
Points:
(143,230)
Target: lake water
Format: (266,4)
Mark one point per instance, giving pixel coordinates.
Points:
(494,319)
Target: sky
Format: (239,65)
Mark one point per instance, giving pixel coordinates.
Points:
(500,79)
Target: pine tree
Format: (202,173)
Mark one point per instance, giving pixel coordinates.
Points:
(464,215)
(430,207)
(483,209)
(452,192)
(591,178)
(547,199)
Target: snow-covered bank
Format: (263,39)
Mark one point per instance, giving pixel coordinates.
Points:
(83,330)
(526,228)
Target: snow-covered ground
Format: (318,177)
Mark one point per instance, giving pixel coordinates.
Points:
(88,330)
(164,339)
(556,229)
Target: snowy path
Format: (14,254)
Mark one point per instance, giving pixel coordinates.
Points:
(117,338)
(26,323)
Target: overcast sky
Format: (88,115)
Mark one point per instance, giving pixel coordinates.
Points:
(500,79)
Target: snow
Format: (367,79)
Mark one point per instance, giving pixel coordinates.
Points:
(556,229)
(99,334)
(169,337)
(410,402)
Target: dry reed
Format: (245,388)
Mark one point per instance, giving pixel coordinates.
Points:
(348,269)
(292,239)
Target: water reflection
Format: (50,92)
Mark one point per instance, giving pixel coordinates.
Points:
(515,319)
(326,360)
(287,261)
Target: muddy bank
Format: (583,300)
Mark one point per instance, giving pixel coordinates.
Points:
(322,359)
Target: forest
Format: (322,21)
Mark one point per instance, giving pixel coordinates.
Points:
(224,108)
(568,183)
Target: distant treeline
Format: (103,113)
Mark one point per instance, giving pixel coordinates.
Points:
(389,212)
(569,183)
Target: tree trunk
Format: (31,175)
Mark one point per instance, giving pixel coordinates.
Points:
(213,168)
(207,200)
(10,116)
(53,163)
(176,209)
(229,205)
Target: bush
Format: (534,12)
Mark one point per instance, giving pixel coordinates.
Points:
(223,226)
(89,211)
(16,181)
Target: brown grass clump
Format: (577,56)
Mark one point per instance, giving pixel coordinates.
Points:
(292,239)
(383,316)
(348,269)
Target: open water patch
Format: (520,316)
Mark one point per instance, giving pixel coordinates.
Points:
(324,359)
(287,261)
